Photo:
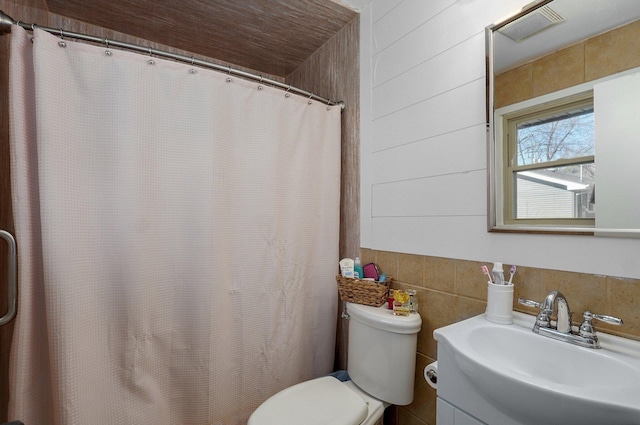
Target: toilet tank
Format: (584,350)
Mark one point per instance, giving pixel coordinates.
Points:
(382,352)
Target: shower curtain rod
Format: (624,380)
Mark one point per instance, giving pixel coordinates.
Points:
(5,27)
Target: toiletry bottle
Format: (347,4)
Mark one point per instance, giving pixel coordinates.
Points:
(346,267)
(498,274)
(401,303)
(413,300)
(358,272)
(390,300)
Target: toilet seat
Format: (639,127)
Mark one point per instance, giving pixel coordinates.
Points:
(321,401)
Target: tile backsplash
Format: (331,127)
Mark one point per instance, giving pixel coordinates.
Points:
(588,60)
(450,290)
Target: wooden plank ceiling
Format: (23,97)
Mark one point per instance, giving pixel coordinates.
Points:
(268,36)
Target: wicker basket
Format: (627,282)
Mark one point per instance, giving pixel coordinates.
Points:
(363,291)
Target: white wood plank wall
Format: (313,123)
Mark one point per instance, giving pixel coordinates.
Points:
(423,142)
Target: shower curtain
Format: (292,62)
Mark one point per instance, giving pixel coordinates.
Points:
(177,232)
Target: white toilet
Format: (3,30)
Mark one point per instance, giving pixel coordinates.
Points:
(381,364)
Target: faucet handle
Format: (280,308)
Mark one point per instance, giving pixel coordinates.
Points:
(529,303)
(609,319)
(588,330)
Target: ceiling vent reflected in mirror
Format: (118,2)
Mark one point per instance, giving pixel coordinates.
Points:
(532,23)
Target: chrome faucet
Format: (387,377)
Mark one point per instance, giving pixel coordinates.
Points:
(555,302)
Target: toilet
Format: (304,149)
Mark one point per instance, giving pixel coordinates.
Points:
(381,364)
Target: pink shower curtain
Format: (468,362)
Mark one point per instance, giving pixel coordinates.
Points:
(177,237)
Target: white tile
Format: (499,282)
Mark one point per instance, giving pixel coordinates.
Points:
(456,109)
(411,13)
(382,7)
(450,237)
(455,24)
(444,195)
(455,67)
(454,152)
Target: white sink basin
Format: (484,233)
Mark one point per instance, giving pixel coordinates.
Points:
(532,379)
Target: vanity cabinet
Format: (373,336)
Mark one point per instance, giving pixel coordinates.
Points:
(461,403)
(448,414)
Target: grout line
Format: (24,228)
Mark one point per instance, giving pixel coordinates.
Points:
(428,177)
(388,11)
(373,87)
(414,29)
(429,98)
(483,124)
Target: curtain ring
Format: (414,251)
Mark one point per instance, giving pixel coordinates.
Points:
(286,93)
(309,101)
(32,29)
(107,52)
(192,70)
(61,43)
(150,61)
(228,80)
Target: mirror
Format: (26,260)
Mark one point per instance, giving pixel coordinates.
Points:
(561,77)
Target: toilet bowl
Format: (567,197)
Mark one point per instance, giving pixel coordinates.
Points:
(381,364)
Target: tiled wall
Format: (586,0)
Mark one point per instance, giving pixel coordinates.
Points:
(609,53)
(451,290)
(333,70)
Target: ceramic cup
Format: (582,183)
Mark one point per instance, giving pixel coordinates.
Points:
(500,303)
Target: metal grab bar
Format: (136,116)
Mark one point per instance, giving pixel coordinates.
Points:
(12,277)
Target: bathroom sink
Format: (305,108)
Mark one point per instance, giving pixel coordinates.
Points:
(531,379)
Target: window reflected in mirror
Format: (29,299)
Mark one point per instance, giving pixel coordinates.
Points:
(550,170)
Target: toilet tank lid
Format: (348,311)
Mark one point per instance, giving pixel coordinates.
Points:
(383,318)
(321,401)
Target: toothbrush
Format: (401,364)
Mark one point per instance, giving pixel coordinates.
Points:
(485,270)
(512,271)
